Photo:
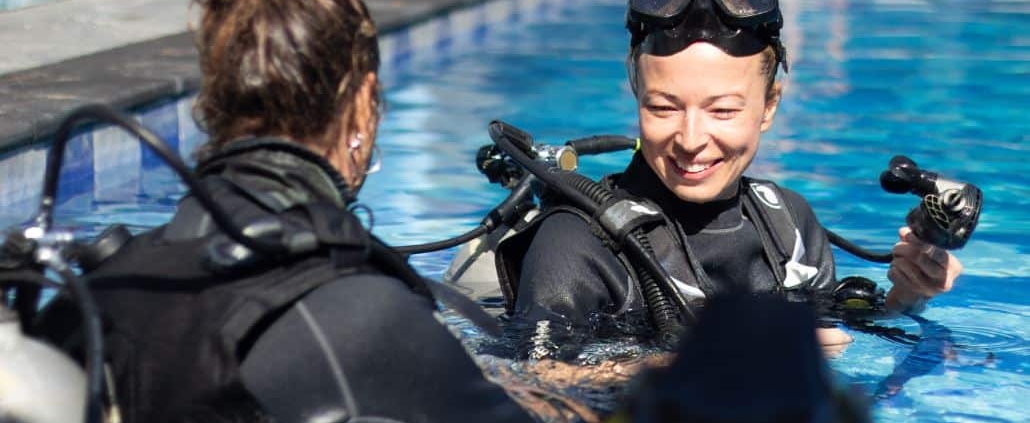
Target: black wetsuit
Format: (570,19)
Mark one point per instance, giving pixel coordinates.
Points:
(324,336)
(568,274)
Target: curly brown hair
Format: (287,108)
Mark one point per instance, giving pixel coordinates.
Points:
(288,68)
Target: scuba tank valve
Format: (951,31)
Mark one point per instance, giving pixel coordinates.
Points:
(499,167)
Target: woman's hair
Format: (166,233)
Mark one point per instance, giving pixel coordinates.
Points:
(286,68)
(769,68)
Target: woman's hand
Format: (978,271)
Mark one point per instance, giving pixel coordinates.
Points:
(919,272)
(833,341)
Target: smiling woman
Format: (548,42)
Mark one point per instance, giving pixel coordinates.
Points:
(704,76)
(700,128)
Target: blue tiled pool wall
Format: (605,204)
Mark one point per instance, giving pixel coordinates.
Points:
(101,165)
(106,166)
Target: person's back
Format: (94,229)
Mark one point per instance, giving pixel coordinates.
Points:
(334,326)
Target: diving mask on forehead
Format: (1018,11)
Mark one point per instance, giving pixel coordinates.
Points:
(737,27)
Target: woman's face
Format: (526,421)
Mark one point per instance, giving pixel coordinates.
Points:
(701,114)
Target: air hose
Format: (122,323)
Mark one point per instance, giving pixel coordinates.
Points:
(43,221)
(104,113)
(444,244)
(587,194)
(503,213)
(855,250)
(663,312)
(602,144)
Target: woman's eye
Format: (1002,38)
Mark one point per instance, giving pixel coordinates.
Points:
(725,113)
(660,108)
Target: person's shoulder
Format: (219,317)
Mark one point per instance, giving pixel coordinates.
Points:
(565,231)
(563,221)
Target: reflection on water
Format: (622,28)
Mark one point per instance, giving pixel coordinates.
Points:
(559,373)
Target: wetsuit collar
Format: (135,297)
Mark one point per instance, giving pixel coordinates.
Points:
(641,181)
(290,167)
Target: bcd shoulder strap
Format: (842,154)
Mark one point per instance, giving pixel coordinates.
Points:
(766,206)
(613,222)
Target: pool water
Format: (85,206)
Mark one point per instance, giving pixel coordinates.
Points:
(945,82)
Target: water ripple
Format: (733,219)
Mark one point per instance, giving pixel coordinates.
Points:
(987,339)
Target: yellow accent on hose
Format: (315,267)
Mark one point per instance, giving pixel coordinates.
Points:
(636,148)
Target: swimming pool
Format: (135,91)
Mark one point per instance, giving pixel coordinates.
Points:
(944,82)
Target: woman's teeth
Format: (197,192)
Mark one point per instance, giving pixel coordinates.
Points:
(694,167)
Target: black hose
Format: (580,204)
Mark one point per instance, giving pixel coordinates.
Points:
(44,219)
(857,251)
(503,213)
(598,193)
(663,313)
(599,144)
(94,344)
(104,113)
(440,245)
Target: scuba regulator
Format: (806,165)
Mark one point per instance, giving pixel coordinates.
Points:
(947,214)
(948,210)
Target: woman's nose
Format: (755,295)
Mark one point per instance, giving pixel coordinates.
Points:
(693,136)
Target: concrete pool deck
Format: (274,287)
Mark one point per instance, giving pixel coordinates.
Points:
(125,53)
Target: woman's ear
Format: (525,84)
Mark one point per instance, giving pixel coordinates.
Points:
(355,140)
(771,103)
(366,108)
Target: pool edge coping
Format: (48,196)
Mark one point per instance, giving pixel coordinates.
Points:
(134,75)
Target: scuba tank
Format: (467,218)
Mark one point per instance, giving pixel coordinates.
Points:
(38,383)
